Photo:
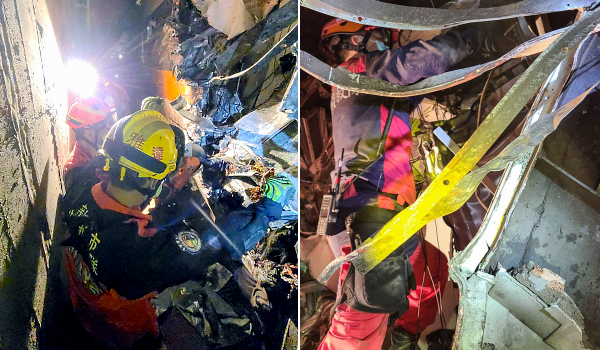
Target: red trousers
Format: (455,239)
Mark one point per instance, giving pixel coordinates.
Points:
(352,329)
(438,265)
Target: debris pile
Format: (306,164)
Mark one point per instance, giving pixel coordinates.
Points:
(224,81)
(199,46)
(549,287)
(249,307)
(274,260)
(205,55)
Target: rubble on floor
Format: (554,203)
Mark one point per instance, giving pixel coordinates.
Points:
(526,307)
(253,307)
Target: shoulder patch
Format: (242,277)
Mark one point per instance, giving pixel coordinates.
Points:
(189,241)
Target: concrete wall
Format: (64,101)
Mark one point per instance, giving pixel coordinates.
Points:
(32,108)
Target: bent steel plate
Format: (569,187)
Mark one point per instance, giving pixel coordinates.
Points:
(343,79)
(438,198)
(380,14)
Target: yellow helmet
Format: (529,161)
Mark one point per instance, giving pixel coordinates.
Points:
(143,143)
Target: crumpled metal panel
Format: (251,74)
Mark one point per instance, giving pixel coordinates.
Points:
(441,197)
(343,79)
(467,261)
(381,14)
(255,40)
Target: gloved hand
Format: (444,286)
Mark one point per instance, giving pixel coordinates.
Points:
(214,172)
(472,38)
(279,189)
(153,103)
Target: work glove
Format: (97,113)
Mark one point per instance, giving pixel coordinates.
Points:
(214,172)
(153,103)
(279,189)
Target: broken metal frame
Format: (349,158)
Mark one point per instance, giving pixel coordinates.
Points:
(343,79)
(380,14)
(465,264)
(514,176)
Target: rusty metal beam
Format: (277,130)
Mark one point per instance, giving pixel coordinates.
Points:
(381,14)
(343,79)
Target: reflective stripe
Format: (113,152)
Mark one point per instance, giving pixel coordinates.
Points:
(142,159)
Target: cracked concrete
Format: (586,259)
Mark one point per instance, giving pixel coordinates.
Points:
(549,287)
(541,209)
(556,231)
(32,100)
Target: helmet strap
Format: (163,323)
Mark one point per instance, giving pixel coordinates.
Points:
(363,44)
(361,47)
(95,130)
(134,185)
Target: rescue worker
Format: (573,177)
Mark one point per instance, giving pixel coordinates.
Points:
(376,187)
(189,156)
(89,119)
(116,260)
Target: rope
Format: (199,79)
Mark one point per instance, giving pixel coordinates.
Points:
(255,63)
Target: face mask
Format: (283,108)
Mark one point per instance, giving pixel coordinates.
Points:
(381,46)
(377,41)
(367,41)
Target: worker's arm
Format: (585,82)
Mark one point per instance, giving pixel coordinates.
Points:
(245,227)
(178,254)
(410,63)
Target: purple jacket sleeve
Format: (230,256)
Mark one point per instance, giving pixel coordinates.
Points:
(419,59)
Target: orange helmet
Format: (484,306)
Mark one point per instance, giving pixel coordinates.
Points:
(340,26)
(87,112)
(334,27)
